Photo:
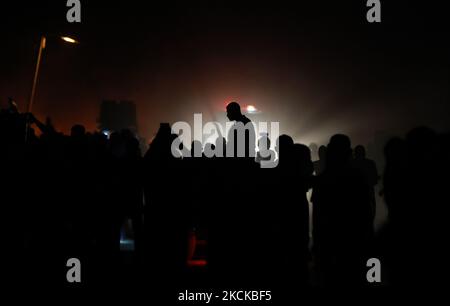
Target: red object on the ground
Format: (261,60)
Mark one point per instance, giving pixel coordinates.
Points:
(193,242)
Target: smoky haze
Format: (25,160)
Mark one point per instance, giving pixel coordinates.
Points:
(317,69)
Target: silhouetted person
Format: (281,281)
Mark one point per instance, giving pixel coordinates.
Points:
(369,170)
(415,191)
(241,134)
(264,153)
(233,231)
(69,196)
(296,222)
(210,147)
(342,218)
(319,165)
(126,185)
(284,148)
(289,212)
(166,222)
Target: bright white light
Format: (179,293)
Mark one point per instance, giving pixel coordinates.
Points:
(69,39)
(251,109)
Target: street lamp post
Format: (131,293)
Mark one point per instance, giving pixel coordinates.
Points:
(38,63)
(36,73)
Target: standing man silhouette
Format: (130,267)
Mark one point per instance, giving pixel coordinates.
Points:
(242,133)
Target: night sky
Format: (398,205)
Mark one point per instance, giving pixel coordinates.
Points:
(316,68)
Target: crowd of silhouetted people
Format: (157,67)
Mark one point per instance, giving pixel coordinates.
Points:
(67,196)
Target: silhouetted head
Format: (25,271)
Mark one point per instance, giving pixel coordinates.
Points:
(322,152)
(210,147)
(360,152)
(303,158)
(160,146)
(163,138)
(302,153)
(284,142)
(284,147)
(339,150)
(233,111)
(131,142)
(117,146)
(264,143)
(77,130)
(164,130)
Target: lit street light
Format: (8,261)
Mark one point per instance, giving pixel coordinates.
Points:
(69,40)
(36,72)
(38,63)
